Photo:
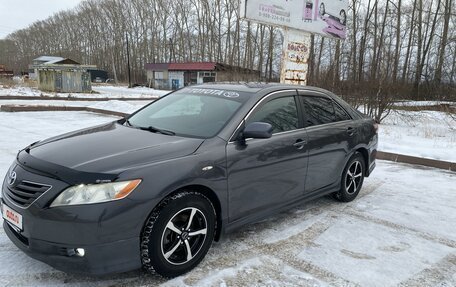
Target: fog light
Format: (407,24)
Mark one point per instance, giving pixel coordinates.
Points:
(80,252)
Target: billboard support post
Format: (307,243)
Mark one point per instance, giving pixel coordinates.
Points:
(295,57)
(298,18)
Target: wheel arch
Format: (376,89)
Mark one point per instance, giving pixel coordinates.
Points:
(363,151)
(212,196)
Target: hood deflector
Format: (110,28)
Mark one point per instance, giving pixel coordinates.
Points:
(68,175)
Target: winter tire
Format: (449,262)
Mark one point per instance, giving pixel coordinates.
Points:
(178,234)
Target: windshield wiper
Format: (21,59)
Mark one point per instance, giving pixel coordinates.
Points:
(157,130)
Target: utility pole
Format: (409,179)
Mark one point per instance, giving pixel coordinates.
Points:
(114,68)
(171,50)
(128,61)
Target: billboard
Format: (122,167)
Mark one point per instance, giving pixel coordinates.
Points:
(324,17)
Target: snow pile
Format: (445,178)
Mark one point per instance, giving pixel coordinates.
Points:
(425,134)
(116,106)
(101,92)
(124,91)
(422,103)
(20,91)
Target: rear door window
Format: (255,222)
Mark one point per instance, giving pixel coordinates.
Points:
(317,111)
(320,111)
(340,113)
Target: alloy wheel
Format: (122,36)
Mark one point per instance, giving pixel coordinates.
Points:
(353,177)
(184,235)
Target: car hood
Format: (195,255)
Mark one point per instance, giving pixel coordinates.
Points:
(112,147)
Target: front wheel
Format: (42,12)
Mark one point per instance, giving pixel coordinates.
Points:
(352,179)
(178,234)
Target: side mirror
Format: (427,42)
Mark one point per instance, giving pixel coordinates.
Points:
(258,130)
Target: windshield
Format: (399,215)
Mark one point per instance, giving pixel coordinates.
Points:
(198,113)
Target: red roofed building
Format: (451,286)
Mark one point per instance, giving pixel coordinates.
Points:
(177,75)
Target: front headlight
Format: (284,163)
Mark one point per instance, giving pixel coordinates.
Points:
(95,193)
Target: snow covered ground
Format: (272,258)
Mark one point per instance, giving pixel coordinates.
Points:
(423,103)
(113,105)
(425,134)
(400,230)
(101,92)
(18,130)
(119,106)
(120,91)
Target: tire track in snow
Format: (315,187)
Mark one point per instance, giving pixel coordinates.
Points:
(399,227)
(440,274)
(326,211)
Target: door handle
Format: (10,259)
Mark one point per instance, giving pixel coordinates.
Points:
(299,144)
(351,131)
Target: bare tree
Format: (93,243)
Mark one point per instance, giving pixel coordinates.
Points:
(393,49)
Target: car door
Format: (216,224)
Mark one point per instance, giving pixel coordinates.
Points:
(330,132)
(268,173)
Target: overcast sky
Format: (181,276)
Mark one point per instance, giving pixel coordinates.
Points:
(18,14)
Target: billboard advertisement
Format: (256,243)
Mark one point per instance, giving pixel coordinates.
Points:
(324,17)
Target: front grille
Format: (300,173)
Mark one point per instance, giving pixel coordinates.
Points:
(26,192)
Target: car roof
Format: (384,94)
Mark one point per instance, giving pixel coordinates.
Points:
(258,90)
(258,87)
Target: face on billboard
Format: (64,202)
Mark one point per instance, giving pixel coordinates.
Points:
(324,17)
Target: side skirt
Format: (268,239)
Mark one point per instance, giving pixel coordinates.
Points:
(268,212)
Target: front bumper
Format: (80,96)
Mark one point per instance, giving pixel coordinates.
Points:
(98,259)
(108,232)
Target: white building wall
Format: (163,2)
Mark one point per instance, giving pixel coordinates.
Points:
(199,80)
(176,80)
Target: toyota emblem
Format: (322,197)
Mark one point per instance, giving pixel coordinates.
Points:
(12,178)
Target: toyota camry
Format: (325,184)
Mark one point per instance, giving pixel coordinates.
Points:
(156,188)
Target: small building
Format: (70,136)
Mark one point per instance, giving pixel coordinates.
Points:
(33,72)
(62,75)
(5,73)
(173,76)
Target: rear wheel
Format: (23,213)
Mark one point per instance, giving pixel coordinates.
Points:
(178,234)
(352,179)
